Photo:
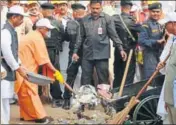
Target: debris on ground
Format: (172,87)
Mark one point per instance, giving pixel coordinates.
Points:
(86,96)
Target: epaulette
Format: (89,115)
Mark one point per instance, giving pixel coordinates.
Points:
(145,25)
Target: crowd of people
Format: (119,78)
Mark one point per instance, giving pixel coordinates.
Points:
(56,37)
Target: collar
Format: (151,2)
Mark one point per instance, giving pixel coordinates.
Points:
(153,21)
(126,14)
(50,17)
(66,17)
(8,23)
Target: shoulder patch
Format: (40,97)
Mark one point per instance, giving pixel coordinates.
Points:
(155,30)
(144,25)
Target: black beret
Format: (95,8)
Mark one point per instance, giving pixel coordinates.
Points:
(126,2)
(156,5)
(76,6)
(47,6)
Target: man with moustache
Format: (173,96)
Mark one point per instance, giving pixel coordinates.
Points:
(96,29)
(151,39)
(10,61)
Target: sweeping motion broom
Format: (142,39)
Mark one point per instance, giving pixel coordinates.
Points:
(121,116)
(61,80)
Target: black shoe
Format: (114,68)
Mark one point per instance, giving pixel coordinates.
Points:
(57,103)
(60,102)
(66,105)
(21,119)
(45,120)
(14,102)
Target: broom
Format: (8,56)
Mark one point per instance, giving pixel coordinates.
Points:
(120,117)
(61,80)
(125,73)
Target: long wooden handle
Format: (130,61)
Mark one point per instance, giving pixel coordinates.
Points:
(69,88)
(151,78)
(125,73)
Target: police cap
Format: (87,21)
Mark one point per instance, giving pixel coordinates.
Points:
(76,6)
(126,2)
(156,5)
(47,6)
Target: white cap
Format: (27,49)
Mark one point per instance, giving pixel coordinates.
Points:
(44,22)
(23,2)
(16,9)
(170,17)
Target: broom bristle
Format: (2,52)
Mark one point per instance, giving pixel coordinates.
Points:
(120,117)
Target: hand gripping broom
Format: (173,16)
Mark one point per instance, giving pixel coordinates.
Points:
(121,116)
(61,80)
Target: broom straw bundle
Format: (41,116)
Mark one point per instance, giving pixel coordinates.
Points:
(120,117)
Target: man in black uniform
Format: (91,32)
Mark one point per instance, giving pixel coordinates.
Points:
(127,31)
(73,35)
(96,30)
(54,45)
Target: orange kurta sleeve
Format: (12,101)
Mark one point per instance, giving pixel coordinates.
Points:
(40,52)
(41,56)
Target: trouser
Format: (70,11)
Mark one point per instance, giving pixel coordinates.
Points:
(55,89)
(7,91)
(171,113)
(5,110)
(101,70)
(72,71)
(151,59)
(119,68)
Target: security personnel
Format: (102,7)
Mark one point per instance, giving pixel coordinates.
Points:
(73,34)
(129,42)
(54,46)
(96,29)
(151,39)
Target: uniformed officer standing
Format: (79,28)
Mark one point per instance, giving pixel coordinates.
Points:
(151,39)
(127,31)
(73,34)
(96,29)
(54,46)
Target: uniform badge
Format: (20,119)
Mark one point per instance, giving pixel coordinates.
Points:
(100,31)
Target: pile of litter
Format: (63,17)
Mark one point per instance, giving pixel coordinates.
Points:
(85,108)
(86,95)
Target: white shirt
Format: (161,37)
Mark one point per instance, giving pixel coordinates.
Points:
(6,41)
(166,52)
(3,15)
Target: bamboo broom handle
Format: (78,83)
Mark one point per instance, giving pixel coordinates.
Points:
(69,88)
(125,73)
(151,78)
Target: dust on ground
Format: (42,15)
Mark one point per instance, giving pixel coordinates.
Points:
(58,114)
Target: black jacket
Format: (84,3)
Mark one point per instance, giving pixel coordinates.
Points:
(126,39)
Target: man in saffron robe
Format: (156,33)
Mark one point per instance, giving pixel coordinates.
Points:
(33,53)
